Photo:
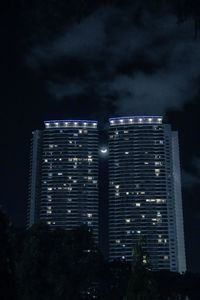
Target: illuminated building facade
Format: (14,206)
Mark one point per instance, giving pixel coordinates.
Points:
(64,175)
(145,191)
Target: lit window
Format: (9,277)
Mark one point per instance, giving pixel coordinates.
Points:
(126,152)
(158,163)
(69,211)
(166,257)
(157,172)
(128,220)
(59,174)
(137,204)
(89,215)
(127,193)
(144,260)
(49,189)
(143,216)
(118,241)
(46,160)
(138,231)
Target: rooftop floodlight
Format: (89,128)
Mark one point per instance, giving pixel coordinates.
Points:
(56,123)
(66,123)
(159,119)
(111,121)
(150,119)
(121,120)
(131,120)
(94,124)
(140,119)
(75,123)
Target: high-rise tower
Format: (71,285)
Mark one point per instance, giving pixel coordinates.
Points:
(64,175)
(145,191)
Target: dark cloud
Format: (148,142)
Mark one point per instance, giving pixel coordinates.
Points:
(147,66)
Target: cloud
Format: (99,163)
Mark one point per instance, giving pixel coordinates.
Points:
(61,90)
(145,62)
(82,40)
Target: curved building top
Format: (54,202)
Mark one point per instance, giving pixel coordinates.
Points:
(136,120)
(70,123)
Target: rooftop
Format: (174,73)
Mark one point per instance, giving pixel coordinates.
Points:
(70,123)
(136,120)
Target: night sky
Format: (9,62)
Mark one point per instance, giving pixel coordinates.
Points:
(96,59)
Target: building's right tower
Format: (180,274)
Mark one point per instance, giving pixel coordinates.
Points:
(145,191)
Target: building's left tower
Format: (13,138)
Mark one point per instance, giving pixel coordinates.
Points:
(64,175)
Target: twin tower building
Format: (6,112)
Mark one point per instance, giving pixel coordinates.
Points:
(144,187)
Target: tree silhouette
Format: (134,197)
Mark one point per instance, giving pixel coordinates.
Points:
(141,284)
(7,265)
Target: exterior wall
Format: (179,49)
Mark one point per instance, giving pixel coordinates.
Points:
(69,175)
(34,185)
(141,190)
(180,247)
